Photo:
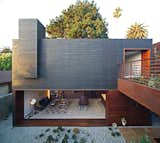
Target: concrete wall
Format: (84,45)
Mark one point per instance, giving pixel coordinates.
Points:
(4,89)
(5,77)
(69,64)
(30,31)
(5,105)
(5,97)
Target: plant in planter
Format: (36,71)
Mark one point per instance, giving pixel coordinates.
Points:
(123,121)
(154,82)
(157,82)
(151,82)
(114,132)
(114,125)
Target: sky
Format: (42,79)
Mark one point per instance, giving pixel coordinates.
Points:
(141,11)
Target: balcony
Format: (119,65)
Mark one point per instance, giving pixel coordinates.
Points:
(140,80)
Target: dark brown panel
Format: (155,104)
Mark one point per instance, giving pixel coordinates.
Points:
(64,122)
(119,105)
(18,107)
(144,95)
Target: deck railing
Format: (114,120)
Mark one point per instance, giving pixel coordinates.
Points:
(142,71)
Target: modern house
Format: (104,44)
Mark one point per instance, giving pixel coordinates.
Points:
(76,82)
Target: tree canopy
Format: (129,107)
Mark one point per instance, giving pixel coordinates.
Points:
(81,20)
(117,13)
(5,61)
(137,31)
(6,50)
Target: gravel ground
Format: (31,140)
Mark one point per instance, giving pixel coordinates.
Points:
(8,134)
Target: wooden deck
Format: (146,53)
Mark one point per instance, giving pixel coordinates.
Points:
(135,133)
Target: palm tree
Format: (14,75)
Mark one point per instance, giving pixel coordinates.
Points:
(117,14)
(137,31)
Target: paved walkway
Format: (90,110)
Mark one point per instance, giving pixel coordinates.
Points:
(40,134)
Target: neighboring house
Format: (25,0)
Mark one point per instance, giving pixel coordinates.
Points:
(45,70)
(156,49)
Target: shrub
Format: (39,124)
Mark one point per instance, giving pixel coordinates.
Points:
(5,61)
(154,82)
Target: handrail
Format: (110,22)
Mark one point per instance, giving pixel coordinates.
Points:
(147,59)
(146,71)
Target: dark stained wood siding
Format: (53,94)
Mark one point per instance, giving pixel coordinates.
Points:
(119,105)
(18,111)
(73,64)
(144,95)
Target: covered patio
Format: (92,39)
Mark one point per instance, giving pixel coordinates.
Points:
(64,105)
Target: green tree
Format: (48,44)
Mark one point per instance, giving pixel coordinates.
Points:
(137,31)
(6,50)
(117,13)
(5,61)
(81,20)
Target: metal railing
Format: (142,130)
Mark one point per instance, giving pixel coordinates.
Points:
(142,71)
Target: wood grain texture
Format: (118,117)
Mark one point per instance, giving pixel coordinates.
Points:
(119,105)
(18,111)
(144,95)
